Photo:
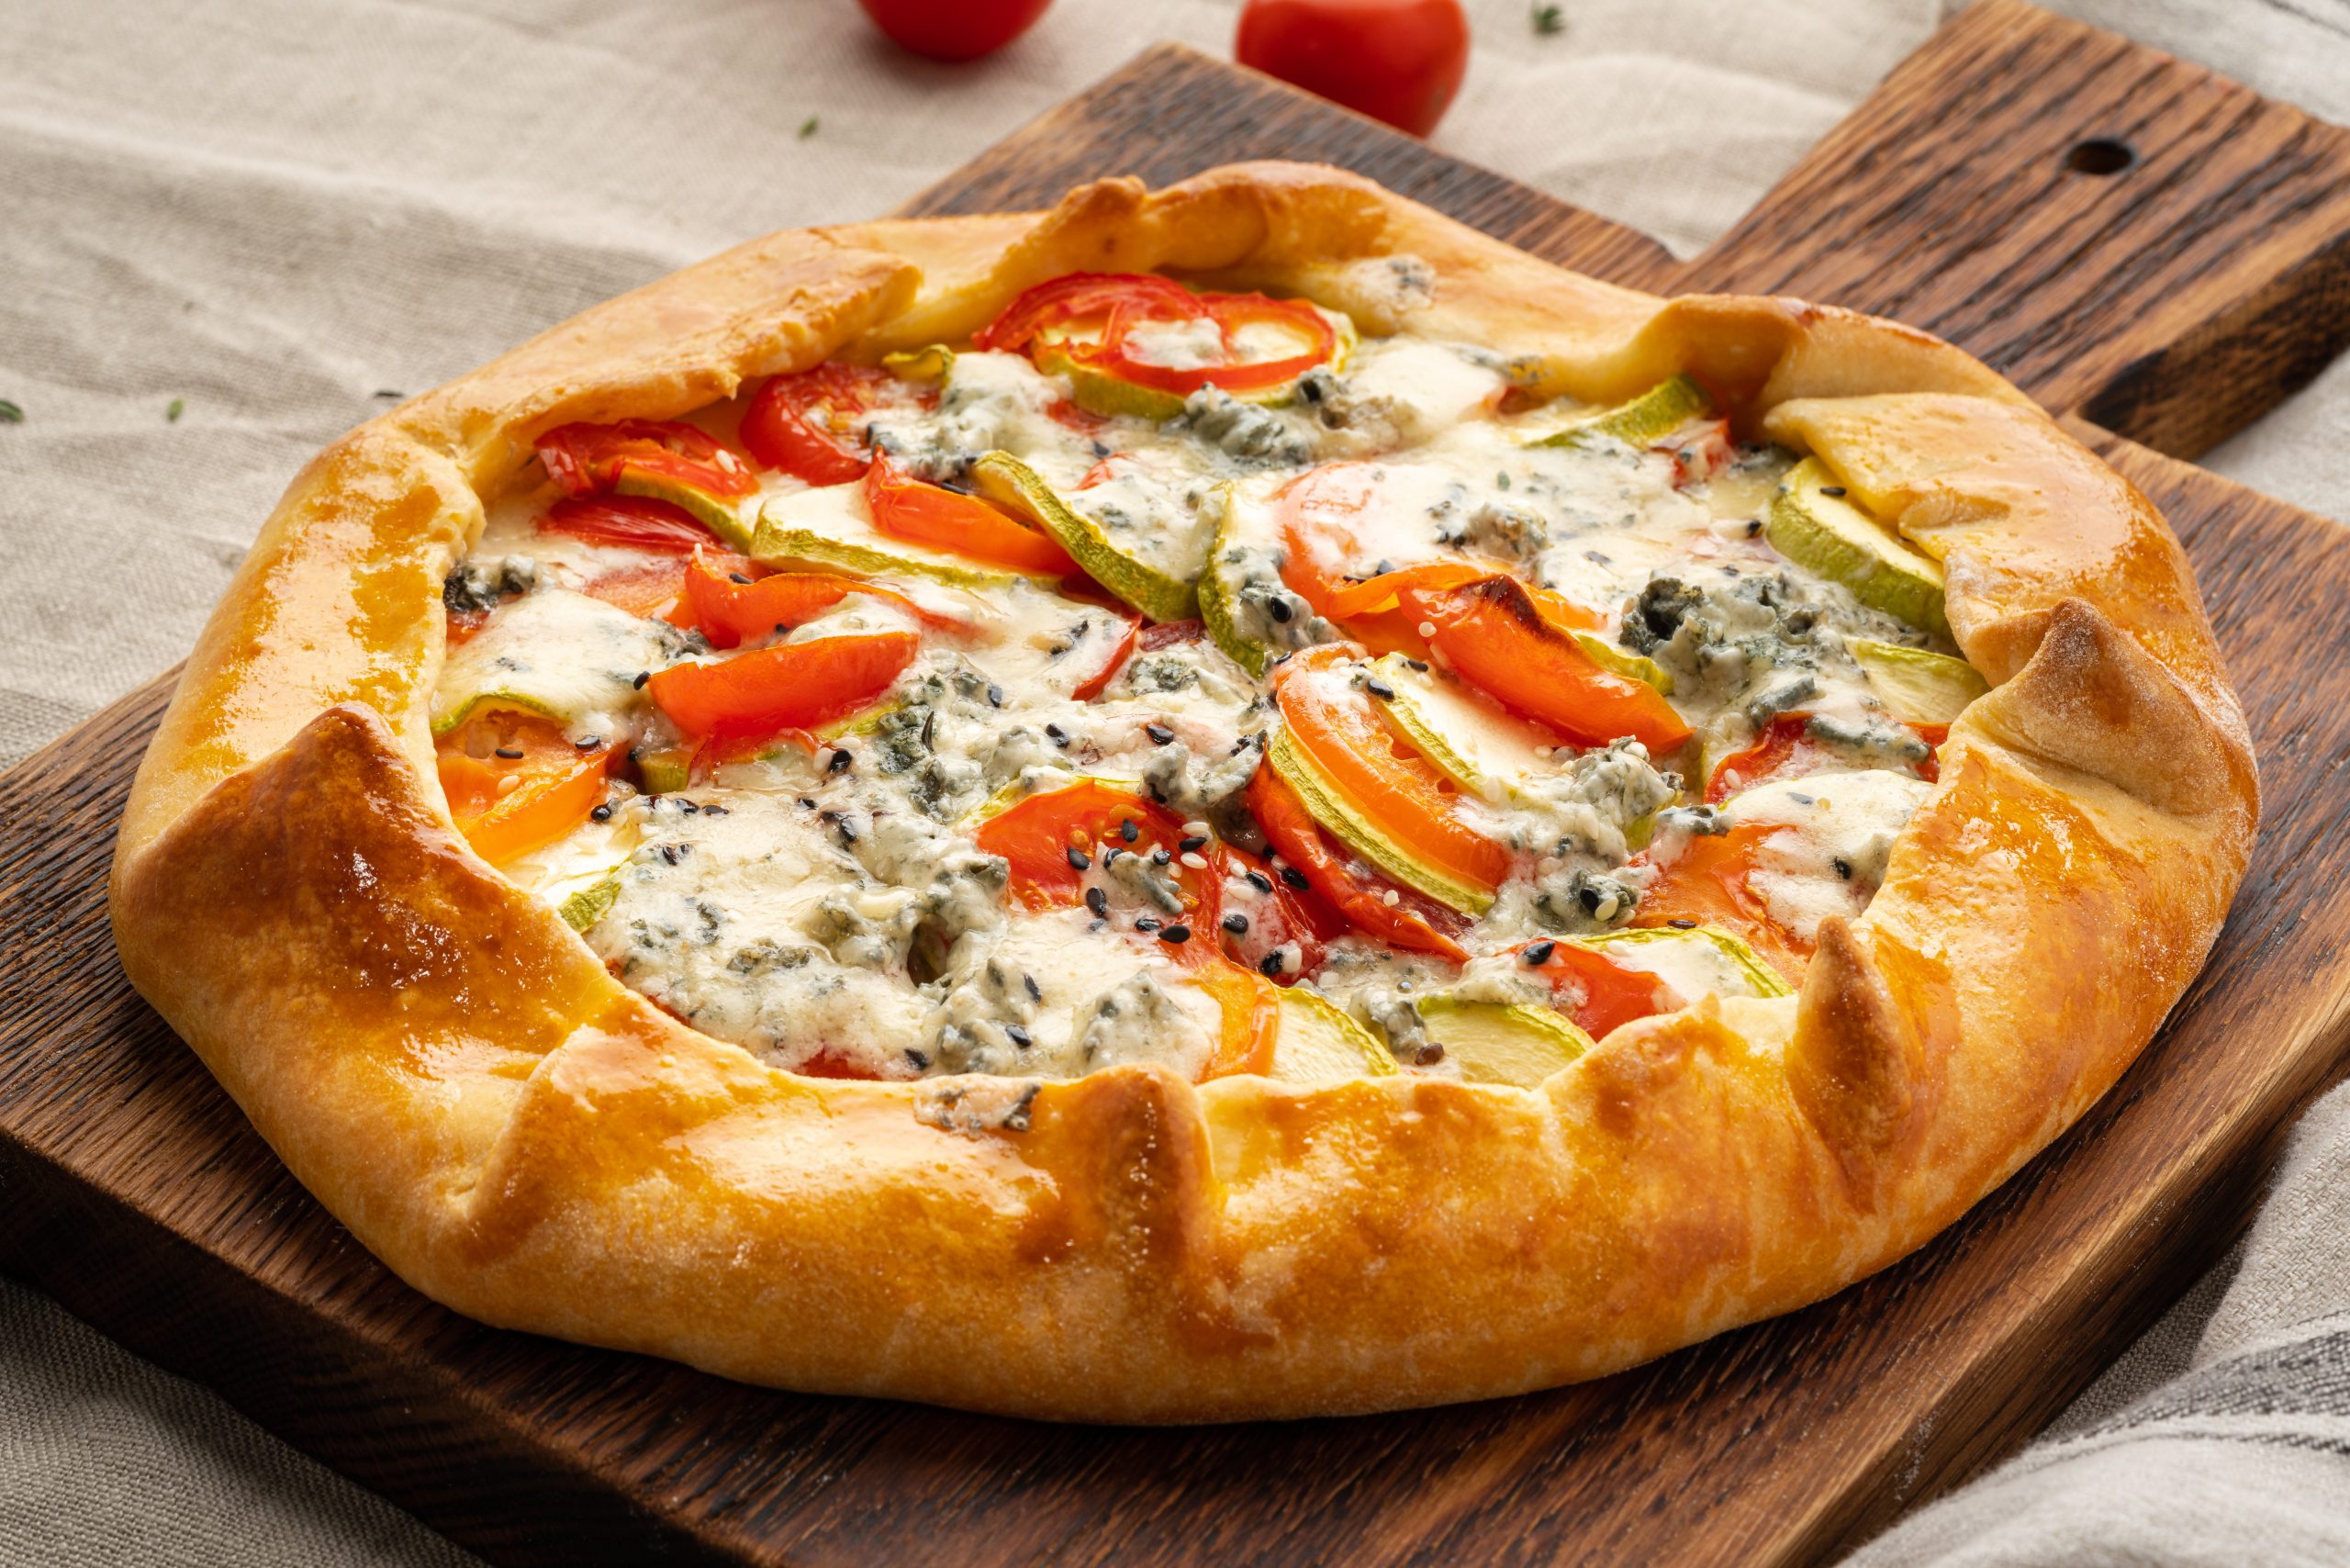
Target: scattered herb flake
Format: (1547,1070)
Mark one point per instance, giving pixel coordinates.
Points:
(1548,19)
(172,415)
(10,414)
(808,127)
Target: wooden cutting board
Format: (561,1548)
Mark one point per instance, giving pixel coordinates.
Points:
(2145,247)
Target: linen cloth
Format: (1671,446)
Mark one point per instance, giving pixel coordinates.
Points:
(231,231)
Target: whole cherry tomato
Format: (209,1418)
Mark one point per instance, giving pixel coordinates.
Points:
(1399,60)
(954,30)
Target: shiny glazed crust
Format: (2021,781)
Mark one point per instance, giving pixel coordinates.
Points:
(446,1066)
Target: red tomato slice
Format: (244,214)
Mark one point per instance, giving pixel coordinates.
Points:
(1278,916)
(732,612)
(1786,751)
(589,459)
(638,522)
(1095,683)
(807,424)
(1091,317)
(1405,797)
(760,696)
(507,806)
(1038,837)
(907,508)
(655,588)
(1707,884)
(1167,633)
(1355,892)
(1494,636)
(1598,992)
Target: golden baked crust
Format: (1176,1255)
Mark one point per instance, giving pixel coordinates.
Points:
(445,1065)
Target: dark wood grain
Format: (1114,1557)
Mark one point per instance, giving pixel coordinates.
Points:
(133,1190)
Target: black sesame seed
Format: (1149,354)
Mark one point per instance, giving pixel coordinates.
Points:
(918,1058)
(602,813)
(588,743)
(1753,526)
(1259,881)
(1176,935)
(1420,665)
(1836,490)
(1540,953)
(841,759)
(1129,830)
(1278,607)
(781,627)
(995,695)
(810,804)
(1589,899)
(1380,689)
(713,810)
(737,578)
(1196,840)
(1159,733)
(1018,1035)
(670,853)
(642,676)
(1236,924)
(1035,993)
(1844,868)
(1681,923)
(1077,858)
(1097,900)
(510,753)
(1273,963)
(687,806)
(1160,857)
(1294,877)
(1058,736)
(1148,923)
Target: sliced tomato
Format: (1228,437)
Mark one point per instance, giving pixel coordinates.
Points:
(1405,798)
(1358,893)
(1707,884)
(733,607)
(1170,633)
(1092,318)
(809,424)
(1093,686)
(638,522)
(740,703)
(1251,1017)
(1044,838)
(1277,917)
(528,786)
(1786,751)
(461,625)
(831,1063)
(1699,452)
(904,508)
(591,459)
(1597,991)
(1493,635)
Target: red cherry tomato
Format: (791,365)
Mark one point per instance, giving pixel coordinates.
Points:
(954,30)
(1400,60)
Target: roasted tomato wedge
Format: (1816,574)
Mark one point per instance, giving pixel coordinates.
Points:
(1594,990)
(658,587)
(638,522)
(1330,716)
(1105,322)
(1786,751)
(1355,892)
(662,458)
(1093,686)
(810,425)
(1707,884)
(905,508)
(1062,845)
(1494,636)
(514,783)
(740,704)
(1263,915)
(731,607)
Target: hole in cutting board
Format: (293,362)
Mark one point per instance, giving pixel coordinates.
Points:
(2100,155)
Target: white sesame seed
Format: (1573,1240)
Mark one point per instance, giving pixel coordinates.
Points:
(1195,830)
(1392,898)
(508,784)
(1193,858)
(1543,751)
(1427,628)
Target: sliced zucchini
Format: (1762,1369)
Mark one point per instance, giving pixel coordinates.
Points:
(1319,1043)
(1729,952)
(1478,746)
(1916,686)
(723,513)
(1219,608)
(583,909)
(1328,805)
(1496,1042)
(933,363)
(1008,482)
(826,530)
(1828,534)
(1649,418)
(573,658)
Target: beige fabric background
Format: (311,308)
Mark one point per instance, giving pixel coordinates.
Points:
(282,212)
